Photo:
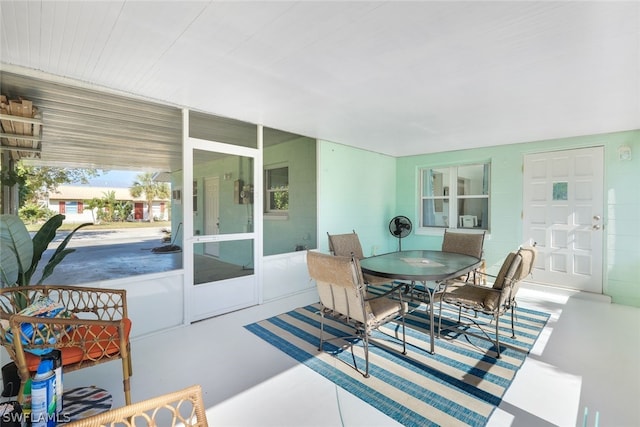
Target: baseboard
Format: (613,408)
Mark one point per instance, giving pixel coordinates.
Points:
(590,296)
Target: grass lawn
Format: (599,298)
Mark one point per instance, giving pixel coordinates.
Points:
(106,225)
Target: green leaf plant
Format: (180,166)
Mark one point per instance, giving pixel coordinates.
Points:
(20,254)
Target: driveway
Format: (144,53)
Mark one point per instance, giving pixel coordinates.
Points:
(109,254)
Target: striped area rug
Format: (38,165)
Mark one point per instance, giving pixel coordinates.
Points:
(459,385)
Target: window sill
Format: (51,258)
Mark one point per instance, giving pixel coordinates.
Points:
(276,216)
(439,231)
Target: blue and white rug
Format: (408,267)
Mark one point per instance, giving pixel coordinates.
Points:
(461,384)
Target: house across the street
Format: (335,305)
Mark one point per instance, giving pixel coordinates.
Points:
(71,200)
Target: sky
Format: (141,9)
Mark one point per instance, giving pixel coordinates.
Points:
(114,178)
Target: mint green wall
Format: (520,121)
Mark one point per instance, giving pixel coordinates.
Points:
(622,203)
(361,190)
(356,191)
(299,229)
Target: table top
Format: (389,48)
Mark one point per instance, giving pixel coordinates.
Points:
(419,265)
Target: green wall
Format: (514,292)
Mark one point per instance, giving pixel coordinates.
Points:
(354,193)
(299,227)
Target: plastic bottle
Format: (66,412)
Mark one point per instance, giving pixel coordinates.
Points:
(26,404)
(56,357)
(43,409)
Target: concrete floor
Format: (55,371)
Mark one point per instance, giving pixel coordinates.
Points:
(110,254)
(585,358)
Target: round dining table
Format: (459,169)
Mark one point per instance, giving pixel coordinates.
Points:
(425,267)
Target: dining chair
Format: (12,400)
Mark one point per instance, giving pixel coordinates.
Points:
(343,296)
(347,245)
(466,244)
(495,300)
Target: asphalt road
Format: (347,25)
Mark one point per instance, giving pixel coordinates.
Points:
(109,254)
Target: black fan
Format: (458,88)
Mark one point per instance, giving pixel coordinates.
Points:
(400,227)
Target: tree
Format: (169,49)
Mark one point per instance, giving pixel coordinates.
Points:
(151,189)
(95,204)
(108,204)
(37,182)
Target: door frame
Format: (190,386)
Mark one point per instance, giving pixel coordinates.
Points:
(195,304)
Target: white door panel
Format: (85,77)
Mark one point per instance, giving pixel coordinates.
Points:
(563,213)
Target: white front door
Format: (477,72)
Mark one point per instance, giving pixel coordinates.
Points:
(563,213)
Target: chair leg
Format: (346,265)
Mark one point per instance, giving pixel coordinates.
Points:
(24,375)
(440,318)
(497,318)
(365,341)
(513,327)
(321,329)
(126,383)
(20,396)
(125,355)
(404,338)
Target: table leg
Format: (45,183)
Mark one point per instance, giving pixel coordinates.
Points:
(432,293)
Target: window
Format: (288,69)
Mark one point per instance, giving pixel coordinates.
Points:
(455,196)
(71,208)
(276,182)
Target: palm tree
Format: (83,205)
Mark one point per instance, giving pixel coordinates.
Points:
(109,203)
(95,204)
(151,189)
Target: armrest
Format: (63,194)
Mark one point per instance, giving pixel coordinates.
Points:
(390,291)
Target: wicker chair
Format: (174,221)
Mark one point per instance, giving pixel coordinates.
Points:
(183,408)
(95,329)
(343,296)
(495,300)
(348,245)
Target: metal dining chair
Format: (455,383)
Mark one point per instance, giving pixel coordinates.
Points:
(467,244)
(495,300)
(347,245)
(343,296)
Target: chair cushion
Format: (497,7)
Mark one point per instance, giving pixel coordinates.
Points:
(463,243)
(476,297)
(72,355)
(385,307)
(508,271)
(346,245)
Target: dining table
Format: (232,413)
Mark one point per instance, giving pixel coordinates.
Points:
(428,268)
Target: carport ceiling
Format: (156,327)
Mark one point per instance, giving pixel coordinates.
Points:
(394,77)
(85,128)
(97,129)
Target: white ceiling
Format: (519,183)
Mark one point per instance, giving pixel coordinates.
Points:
(399,78)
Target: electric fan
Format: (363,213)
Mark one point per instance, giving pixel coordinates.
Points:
(400,227)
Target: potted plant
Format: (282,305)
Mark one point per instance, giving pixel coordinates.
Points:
(20,254)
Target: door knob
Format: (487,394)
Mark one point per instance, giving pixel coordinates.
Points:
(596,217)
(596,226)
